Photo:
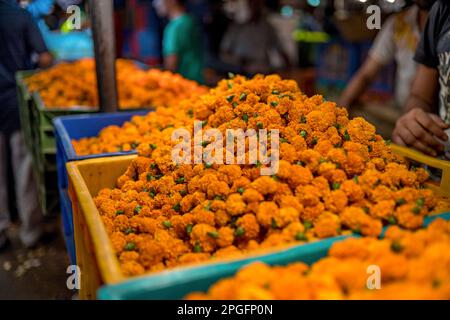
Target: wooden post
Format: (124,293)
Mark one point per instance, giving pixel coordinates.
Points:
(102,15)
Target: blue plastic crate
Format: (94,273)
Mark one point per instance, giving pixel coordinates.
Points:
(178,283)
(337,62)
(77,127)
(68,128)
(67,225)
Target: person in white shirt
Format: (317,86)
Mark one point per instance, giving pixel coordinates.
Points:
(397,41)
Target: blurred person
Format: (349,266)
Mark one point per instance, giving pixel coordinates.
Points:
(119,21)
(251,42)
(142,33)
(426,122)
(64,42)
(182,45)
(216,25)
(20,39)
(50,11)
(397,41)
(39,8)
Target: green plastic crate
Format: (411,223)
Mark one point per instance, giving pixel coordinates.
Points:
(25,102)
(49,202)
(42,131)
(47,186)
(43,123)
(176,284)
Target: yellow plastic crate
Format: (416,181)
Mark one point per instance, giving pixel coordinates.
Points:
(95,255)
(444,188)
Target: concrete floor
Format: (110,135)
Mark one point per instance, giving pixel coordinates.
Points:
(34,274)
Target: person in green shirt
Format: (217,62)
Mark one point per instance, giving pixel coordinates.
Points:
(182,45)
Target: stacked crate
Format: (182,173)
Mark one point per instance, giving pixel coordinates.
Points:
(37,122)
(38,132)
(43,162)
(66,129)
(43,149)
(25,101)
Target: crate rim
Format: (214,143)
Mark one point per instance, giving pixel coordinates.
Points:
(77,109)
(58,109)
(177,276)
(196,271)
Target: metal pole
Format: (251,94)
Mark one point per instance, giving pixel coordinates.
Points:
(102,13)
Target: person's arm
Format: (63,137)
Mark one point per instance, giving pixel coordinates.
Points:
(360,82)
(171,48)
(171,62)
(418,126)
(45,60)
(381,54)
(36,43)
(424,89)
(275,41)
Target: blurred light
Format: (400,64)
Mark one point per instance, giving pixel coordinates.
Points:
(390,1)
(313,3)
(310,36)
(363,1)
(287,11)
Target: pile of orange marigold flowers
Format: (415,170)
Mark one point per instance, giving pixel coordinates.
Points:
(413,265)
(139,130)
(336,176)
(71,85)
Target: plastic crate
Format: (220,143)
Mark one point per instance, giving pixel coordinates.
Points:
(443,188)
(42,130)
(81,126)
(179,283)
(38,119)
(337,61)
(76,127)
(46,183)
(25,102)
(95,255)
(42,124)
(67,225)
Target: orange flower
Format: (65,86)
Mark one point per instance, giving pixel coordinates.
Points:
(70,85)
(335,176)
(343,273)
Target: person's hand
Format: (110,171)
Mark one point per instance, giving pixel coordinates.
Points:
(418,129)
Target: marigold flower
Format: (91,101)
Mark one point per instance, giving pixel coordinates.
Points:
(335,177)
